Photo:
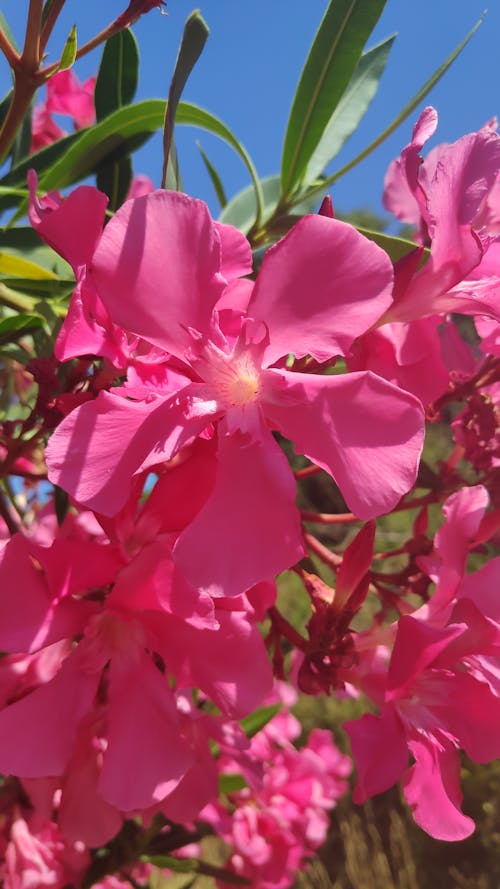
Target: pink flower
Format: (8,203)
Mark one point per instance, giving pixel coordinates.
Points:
(276,825)
(445,196)
(37,855)
(65,95)
(319,288)
(443,687)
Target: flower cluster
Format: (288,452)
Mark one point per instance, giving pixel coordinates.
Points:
(188,398)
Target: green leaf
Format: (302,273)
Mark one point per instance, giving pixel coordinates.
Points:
(240,210)
(333,56)
(120,133)
(214,178)
(231,783)
(24,242)
(395,247)
(39,162)
(410,107)
(352,107)
(11,329)
(79,154)
(192,865)
(118,73)
(68,54)
(195,116)
(194,37)
(42,288)
(114,179)
(22,267)
(257,720)
(4,25)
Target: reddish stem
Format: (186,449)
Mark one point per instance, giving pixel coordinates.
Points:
(326,555)
(285,629)
(307,471)
(8,50)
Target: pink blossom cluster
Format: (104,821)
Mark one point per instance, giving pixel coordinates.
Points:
(66,96)
(129,621)
(275,824)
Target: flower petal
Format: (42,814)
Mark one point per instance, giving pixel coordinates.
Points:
(319,288)
(249,528)
(364,431)
(157,269)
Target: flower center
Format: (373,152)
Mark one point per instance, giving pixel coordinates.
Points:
(235,379)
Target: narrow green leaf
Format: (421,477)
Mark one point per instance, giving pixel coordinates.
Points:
(22,267)
(118,73)
(257,720)
(11,329)
(68,54)
(120,133)
(195,116)
(194,37)
(46,9)
(333,56)
(395,247)
(39,162)
(214,178)
(42,288)
(24,242)
(410,107)
(4,25)
(352,107)
(80,154)
(114,179)
(240,210)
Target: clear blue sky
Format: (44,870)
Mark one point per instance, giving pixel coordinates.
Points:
(251,64)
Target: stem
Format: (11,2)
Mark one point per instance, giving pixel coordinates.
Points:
(91,44)
(49,23)
(285,629)
(24,90)
(327,556)
(307,471)
(327,518)
(14,300)
(8,50)
(5,513)
(30,58)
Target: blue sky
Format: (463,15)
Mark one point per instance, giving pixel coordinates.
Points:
(251,64)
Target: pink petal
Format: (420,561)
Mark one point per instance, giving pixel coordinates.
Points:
(379,749)
(217,661)
(38,732)
(417,645)
(73,228)
(401,193)
(163,251)
(236,252)
(432,789)
(29,615)
(473,716)
(144,737)
(99,446)
(361,429)
(249,529)
(319,288)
